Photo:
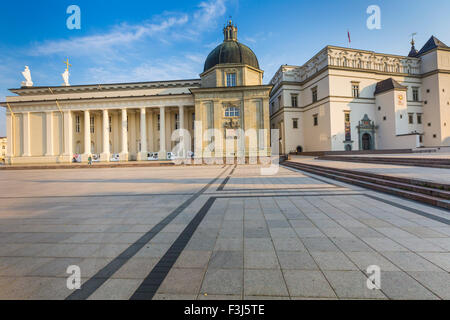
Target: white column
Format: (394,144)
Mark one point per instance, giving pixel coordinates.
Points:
(182,136)
(116,130)
(68,134)
(181,116)
(49,133)
(150,146)
(10,135)
(106,150)
(124,153)
(132,141)
(162,134)
(143,154)
(26,135)
(87,132)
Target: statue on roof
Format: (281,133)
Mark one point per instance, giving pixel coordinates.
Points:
(27,75)
(65,77)
(66,73)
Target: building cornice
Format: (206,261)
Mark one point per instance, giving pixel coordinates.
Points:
(229,65)
(435,72)
(42,90)
(96,100)
(229,89)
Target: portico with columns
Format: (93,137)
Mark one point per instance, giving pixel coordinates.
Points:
(130,121)
(104,127)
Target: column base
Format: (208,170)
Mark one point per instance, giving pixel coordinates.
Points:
(123,156)
(162,155)
(105,157)
(142,156)
(84,157)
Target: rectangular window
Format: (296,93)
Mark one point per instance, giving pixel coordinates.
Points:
(355,90)
(347,117)
(77,124)
(347,126)
(419,118)
(193,121)
(295,123)
(92,124)
(314,94)
(316,120)
(411,118)
(231,112)
(159,122)
(294,100)
(110,124)
(177,121)
(415,92)
(231,79)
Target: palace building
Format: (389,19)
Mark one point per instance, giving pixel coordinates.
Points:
(136,121)
(348,99)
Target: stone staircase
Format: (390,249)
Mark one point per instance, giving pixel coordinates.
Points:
(416,162)
(436,194)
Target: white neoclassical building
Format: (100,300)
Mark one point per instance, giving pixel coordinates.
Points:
(135,121)
(52,124)
(349,99)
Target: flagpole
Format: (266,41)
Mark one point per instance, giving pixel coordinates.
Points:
(349,39)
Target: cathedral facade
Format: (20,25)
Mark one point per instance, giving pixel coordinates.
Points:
(345,99)
(225,113)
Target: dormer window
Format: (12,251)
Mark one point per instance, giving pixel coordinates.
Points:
(231,79)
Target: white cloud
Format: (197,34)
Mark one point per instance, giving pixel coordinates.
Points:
(173,68)
(120,35)
(209,12)
(167,27)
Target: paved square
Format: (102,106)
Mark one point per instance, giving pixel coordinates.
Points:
(214,232)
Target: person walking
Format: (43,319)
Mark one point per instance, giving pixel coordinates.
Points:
(90,160)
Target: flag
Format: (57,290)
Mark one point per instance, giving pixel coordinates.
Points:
(349,39)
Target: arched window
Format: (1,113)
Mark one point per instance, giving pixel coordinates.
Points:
(232,112)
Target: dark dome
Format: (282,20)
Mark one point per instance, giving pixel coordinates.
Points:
(231,51)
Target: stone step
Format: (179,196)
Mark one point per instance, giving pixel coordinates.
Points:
(415,182)
(357,180)
(417,162)
(385,180)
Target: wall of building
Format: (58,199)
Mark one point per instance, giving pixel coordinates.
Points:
(317,138)
(357,108)
(245,75)
(444,95)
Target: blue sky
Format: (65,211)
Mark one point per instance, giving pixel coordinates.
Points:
(128,41)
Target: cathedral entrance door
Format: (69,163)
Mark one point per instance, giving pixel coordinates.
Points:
(366,142)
